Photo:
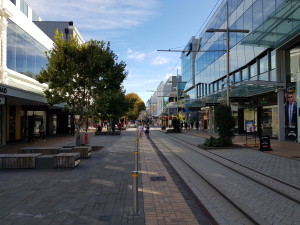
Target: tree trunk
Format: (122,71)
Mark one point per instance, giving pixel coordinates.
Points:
(77,135)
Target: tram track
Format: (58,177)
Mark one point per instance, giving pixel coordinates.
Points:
(276,191)
(282,186)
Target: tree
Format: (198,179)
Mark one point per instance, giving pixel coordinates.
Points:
(112,105)
(139,106)
(176,125)
(225,124)
(77,74)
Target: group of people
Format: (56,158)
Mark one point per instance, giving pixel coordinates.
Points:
(144,129)
(190,125)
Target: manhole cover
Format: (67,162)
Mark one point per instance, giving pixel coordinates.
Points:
(160,178)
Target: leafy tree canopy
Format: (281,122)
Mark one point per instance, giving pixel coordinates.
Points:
(138,106)
(77,74)
(112,105)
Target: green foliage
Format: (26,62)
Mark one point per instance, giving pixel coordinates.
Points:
(176,125)
(112,105)
(213,142)
(82,76)
(225,124)
(138,106)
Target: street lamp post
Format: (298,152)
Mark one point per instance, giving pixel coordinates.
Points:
(228,31)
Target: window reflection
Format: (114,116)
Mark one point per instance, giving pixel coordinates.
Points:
(24,54)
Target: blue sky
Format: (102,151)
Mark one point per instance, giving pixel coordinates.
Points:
(136,29)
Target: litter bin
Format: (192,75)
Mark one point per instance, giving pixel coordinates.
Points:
(264,143)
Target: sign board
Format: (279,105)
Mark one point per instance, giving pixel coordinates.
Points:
(3,90)
(239,99)
(2,100)
(249,126)
(265,143)
(212,104)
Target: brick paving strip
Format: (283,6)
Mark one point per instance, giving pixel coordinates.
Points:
(163,202)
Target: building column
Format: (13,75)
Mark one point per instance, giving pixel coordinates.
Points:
(3,46)
(298,104)
(281,114)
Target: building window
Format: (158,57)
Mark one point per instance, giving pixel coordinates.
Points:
(253,71)
(24,54)
(294,63)
(245,74)
(231,79)
(273,60)
(263,64)
(237,77)
(24,7)
(264,68)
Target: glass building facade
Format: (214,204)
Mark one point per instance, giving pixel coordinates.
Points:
(244,15)
(25,55)
(263,66)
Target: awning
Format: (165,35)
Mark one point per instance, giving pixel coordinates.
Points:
(244,89)
(280,26)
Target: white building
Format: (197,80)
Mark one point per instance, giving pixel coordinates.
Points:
(23,47)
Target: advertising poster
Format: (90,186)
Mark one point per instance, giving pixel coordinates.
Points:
(249,126)
(291,114)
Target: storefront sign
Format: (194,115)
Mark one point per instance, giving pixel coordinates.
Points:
(2,101)
(239,99)
(3,90)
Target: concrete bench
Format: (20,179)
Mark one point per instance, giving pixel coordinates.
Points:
(65,150)
(44,162)
(18,161)
(43,150)
(84,151)
(66,160)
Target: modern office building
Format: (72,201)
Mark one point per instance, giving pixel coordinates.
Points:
(23,47)
(164,103)
(261,76)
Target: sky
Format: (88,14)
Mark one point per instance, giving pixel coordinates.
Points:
(136,29)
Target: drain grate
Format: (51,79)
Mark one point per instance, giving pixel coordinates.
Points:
(159,178)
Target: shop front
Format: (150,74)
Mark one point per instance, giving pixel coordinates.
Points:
(261,112)
(292,97)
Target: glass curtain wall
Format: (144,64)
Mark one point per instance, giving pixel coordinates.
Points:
(248,15)
(24,54)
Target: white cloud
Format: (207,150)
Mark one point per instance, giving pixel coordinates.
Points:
(96,14)
(138,56)
(160,60)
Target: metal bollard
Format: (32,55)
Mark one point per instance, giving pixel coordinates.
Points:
(135,206)
(136,160)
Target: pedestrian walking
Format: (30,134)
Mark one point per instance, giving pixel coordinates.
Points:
(147,131)
(141,130)
(185,125)
(42,131)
